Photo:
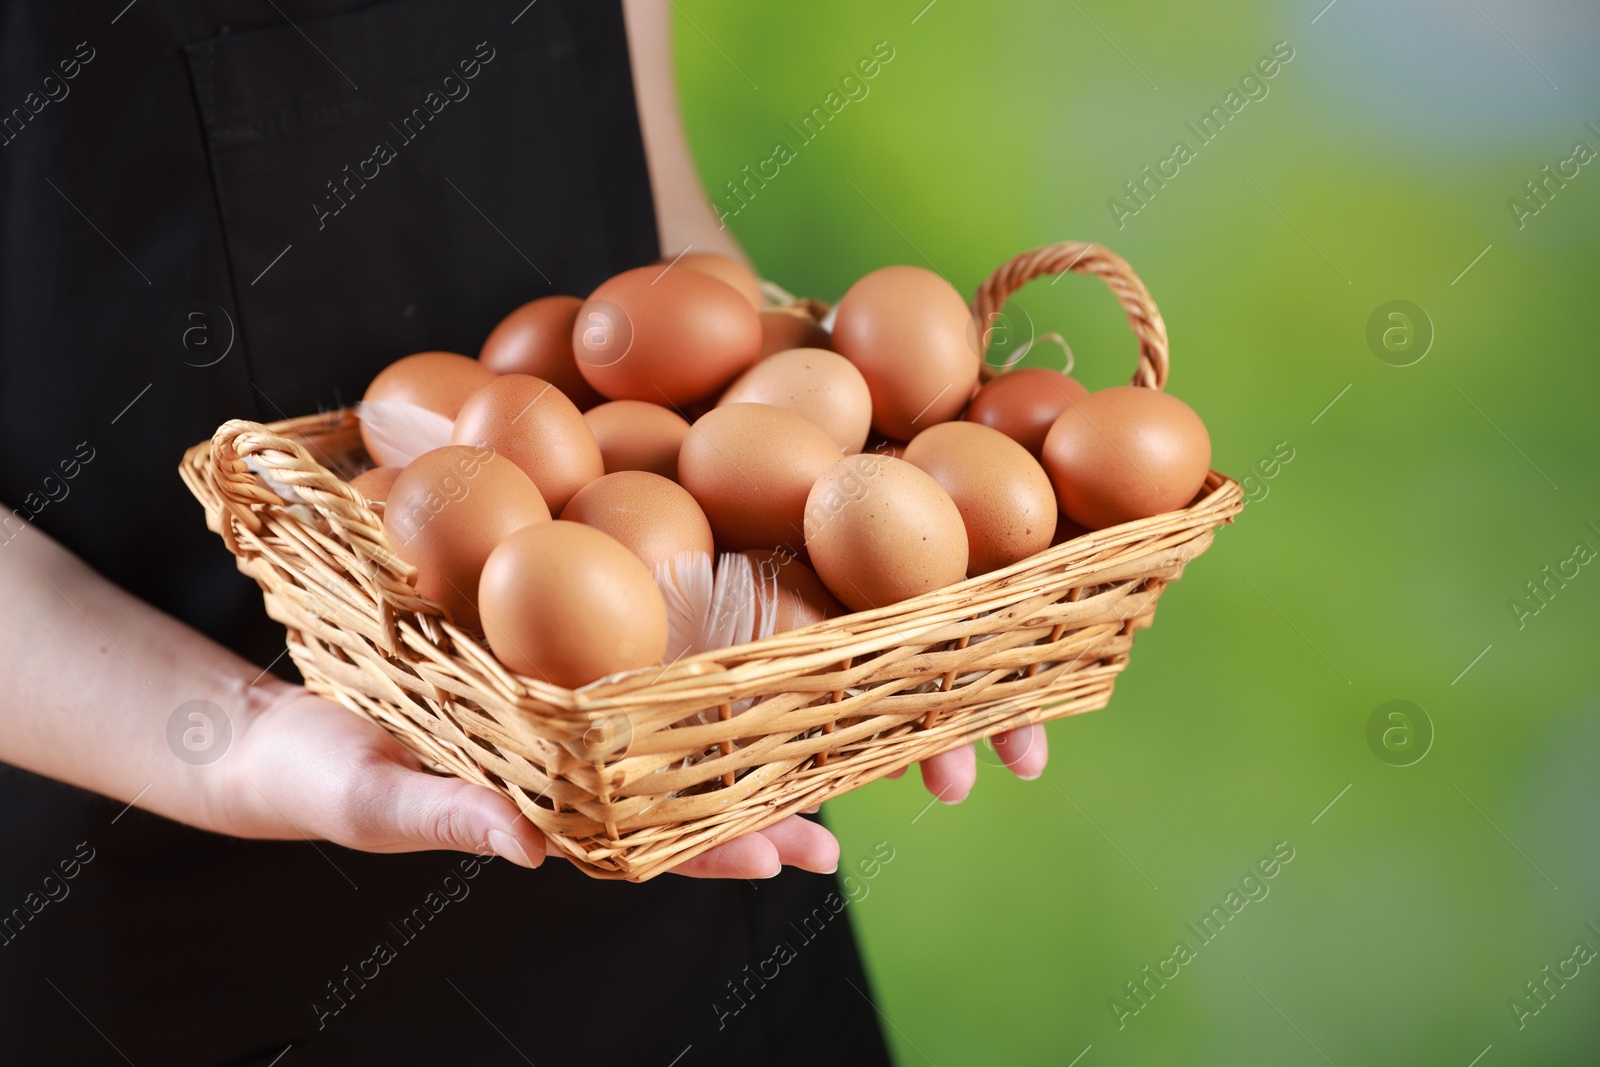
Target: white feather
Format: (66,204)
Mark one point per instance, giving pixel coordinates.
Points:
(708,611)
(398,433)
(685,583)
(704,612)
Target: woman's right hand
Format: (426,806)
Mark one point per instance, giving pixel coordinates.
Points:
(297,766)
(304,767)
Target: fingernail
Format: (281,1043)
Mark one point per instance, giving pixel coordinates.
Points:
(831,870)
(506,847)
(1032,777)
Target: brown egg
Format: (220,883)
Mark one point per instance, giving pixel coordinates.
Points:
(801,599)
(783,330)
(821,387)
(651,517)
(533,424)
(375,484)
(879,531)
(567,604)
(1004,496)
(1126,453)
(750,467)
(724,269)
(447,511)
(635,435)
(436,381)
(910,334)
(668,336)
(1023,404)
(536,339)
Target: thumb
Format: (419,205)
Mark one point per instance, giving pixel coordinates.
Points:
(425,811)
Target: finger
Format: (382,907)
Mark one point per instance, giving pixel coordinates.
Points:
(751,857)
(950,775)
(410,811)
(804,844)
(896,773)
(1025,750)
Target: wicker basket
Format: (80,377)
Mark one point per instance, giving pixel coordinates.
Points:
(627,775)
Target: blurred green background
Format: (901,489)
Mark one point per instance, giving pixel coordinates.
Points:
(1378,564)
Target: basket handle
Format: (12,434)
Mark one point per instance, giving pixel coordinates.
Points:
(1143,317)
(241,495)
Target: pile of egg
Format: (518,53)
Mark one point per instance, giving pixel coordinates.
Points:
(669,466)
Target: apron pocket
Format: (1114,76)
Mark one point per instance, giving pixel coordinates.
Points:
(400,178)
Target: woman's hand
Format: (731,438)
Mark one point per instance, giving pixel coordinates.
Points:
(949,776)
(303,767)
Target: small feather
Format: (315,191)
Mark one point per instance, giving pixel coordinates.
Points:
(709,610)
(398,432)
(685,582)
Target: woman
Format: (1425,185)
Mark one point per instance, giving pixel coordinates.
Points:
(229,209)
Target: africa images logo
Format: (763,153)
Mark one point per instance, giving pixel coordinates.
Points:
(1253,887)
(1253,85)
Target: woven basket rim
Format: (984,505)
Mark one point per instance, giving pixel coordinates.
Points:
(1216,496)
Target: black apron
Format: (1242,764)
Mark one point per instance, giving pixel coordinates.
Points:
(224,209)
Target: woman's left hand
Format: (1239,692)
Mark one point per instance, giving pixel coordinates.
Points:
(949,776)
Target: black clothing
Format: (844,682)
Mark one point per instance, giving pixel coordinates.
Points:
(236,208)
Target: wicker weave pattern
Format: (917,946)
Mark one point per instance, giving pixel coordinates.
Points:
(634,774)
